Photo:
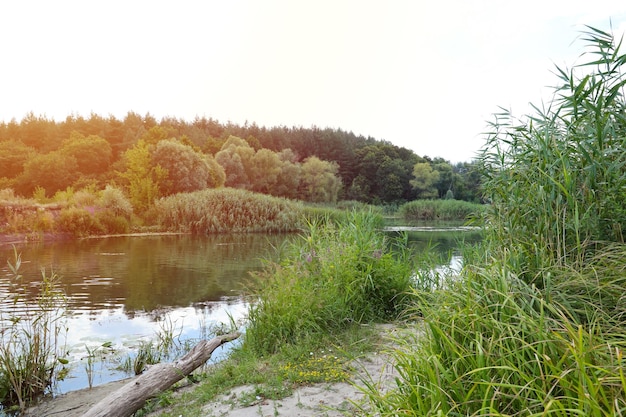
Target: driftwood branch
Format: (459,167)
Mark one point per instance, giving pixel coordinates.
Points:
(132,396)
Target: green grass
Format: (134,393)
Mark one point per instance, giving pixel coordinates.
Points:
(227,210)
(31,351)
(494,346)
(534,325)
(334,276)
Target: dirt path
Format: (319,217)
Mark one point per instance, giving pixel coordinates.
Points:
(316,400)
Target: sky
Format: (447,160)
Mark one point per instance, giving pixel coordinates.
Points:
(424,75)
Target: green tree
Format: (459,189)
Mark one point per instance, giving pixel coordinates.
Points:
(445,182)
(142,177)
(187,170)
(52,171)
(424,179)
(319,181)
(93,154)
(236,157)
(267,168)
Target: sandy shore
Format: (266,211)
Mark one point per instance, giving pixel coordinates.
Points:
(326,399)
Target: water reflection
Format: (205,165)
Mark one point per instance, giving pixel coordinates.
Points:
(124,289)
(147,273)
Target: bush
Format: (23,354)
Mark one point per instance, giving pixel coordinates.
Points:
(79,222)
(334,277)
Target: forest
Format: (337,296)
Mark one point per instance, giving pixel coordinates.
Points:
(150,158)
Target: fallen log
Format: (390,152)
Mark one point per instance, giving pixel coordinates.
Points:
(132,396)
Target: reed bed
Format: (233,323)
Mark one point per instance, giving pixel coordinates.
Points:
(535,323)
(228,210)
(440,210)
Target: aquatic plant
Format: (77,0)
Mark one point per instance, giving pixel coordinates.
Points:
(31,351)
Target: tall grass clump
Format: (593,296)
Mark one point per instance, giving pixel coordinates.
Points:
(492,346)
(334,276)
(31,350)
(228,210)
(556,179)
(535,325)
(440,210)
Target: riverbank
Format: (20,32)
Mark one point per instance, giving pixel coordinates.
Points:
(321,399)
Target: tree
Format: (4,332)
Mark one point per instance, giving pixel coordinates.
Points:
(424,179)
(187,170)
(13,155)
(93,154)
(143,178)
(445,182)
(267,168)
(319,182)
(236,159)
(52,171)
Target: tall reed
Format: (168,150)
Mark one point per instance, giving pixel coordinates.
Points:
(534,326)
(440,210)
(556,179)
(228,210)
(31,350)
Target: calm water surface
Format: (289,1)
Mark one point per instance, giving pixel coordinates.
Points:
(125,290)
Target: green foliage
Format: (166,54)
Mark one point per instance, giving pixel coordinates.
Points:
(52,172)
(539,331)
(31,351)
(440,210)
(492,345)
(143,178)
(187,170)
(92,153)
(319,183)
(335,276)
(556,180)
(227,210)
(113,199)
(79,222)
(424,180)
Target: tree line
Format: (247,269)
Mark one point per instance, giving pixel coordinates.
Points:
(151,158)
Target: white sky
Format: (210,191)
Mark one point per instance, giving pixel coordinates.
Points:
(425,75)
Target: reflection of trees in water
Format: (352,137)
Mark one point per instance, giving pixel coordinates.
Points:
(146,273)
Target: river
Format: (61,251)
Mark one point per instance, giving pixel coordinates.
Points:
(122,291)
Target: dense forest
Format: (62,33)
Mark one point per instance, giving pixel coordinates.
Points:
(150,159)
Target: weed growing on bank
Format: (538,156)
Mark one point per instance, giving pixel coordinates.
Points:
(336,275)
(31,351)
(535,323)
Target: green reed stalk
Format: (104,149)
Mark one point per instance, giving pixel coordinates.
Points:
(31,349)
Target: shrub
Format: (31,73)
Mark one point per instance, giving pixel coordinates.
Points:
(335,276)
(79,222)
